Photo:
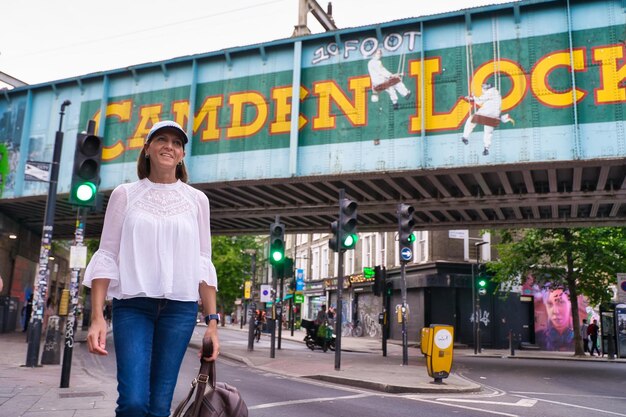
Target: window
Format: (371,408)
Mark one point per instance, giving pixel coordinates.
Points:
(301,263)
(315,264)
(368,250)
(349,262)
(325,261)
(381,249)
(420,246)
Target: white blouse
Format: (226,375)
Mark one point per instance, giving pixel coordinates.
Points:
(156,242)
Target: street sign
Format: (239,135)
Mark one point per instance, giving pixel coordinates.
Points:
(406,254)
(266,293)
(457,234)
(298,299)
(368,272)
(299,279)
(37,171)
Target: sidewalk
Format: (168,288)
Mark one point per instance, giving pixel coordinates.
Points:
(34,392)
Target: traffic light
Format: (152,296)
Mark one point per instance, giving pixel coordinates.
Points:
(405,231)
(347,220)
(482,279)
(288,268)
(380,278)
(277,243)
(388,288)
(86,171)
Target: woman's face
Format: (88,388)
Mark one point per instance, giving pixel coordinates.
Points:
(559,310)
(165,150)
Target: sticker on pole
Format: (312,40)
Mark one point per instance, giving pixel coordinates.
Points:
(443,339)
(406,254)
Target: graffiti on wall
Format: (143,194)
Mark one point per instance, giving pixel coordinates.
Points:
(11,121)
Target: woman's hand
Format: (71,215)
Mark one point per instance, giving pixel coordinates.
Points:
(211,334)
(97,335)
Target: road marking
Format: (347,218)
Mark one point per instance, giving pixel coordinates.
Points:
(524,402)
(307,401)
(582,406)
(462,407)
(608,397)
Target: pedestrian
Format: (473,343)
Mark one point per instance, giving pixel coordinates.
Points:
(154,262)
(27,311)
(322,316)
(592,332)
(583,335)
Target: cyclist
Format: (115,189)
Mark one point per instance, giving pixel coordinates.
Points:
(259,322)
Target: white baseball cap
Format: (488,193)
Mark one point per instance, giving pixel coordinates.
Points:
(167,123)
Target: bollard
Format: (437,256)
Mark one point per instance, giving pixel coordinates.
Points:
(511,344)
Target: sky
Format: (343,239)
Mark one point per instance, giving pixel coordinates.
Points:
(43,40)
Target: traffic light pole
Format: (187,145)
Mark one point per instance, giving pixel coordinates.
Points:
(475,318)
(279,305)
(251,307)
(41,281)
(70,325)
(339,314)
(405,339)
(273,334)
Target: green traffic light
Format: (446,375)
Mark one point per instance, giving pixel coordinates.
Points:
(411,238)
(349,241)
(277,256)
(85,191)
(482,283)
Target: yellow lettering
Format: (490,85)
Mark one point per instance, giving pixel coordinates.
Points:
(208,111)
(148,115)
(355,110)
(543,68)
(508,68)
(434,121)
(612,89)
(282,110)
(122,112)
(239,103)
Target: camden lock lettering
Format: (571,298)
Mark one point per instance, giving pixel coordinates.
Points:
(254,114)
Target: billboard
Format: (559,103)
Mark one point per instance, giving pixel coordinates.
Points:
(505,84)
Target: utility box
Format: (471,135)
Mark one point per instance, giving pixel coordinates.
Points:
(437,345)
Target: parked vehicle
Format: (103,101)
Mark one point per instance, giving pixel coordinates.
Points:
(323,338)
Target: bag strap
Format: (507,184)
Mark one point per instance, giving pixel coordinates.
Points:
(206,374)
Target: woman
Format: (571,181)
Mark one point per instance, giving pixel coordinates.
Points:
(154,260)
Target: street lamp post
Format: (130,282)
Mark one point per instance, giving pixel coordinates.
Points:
(41,281)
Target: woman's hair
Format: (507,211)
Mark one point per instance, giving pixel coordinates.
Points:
(143,168)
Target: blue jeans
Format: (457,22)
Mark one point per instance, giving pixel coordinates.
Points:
(151,336)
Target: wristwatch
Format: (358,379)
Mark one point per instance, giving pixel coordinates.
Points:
(210,317)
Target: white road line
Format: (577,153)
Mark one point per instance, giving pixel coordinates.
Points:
(608,397)
(603,412)
(307,401)
(463,407)
(524,402)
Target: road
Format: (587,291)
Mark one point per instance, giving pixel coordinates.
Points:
(512,387)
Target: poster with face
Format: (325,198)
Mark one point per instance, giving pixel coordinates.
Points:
(554,329)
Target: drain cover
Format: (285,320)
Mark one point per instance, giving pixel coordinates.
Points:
(81,394)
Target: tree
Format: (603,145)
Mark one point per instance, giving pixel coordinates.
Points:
(233,267)
(582,261)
